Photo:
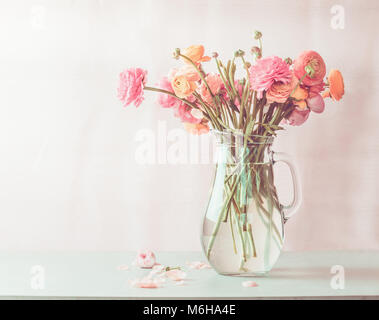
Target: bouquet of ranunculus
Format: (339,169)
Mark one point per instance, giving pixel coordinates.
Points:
(272,93)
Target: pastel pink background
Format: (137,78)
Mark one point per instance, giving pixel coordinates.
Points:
(68,176)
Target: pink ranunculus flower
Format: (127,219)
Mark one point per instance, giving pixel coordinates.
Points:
(239,88)
(316,62)
(165,100)
(215,84)
(145,259)
(316,103)
(131,85)
(266,72)
(279,91)
(184,113)
(298,117)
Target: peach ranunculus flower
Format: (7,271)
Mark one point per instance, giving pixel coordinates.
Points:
(196,54)
(280,91)
(189,71)
(215,84)
(313,59)
(336,84)
(182,86)
(183,81)
(300,95)
(196,128)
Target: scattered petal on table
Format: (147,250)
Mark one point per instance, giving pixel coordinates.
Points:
(176,275)
(180,283)
(122,267)
(198,265)
(145,259)
(249,284)
(157,270)
(146,283)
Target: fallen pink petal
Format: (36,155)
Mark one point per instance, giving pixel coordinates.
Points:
(146,283)
(176,275)
(123,267)
(249,284)
(198,265)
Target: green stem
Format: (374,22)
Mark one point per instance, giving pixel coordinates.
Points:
(173,95)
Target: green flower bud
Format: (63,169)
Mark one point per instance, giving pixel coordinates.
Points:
(239,53)
(214,54)
(288,61)
(257,35)
(176,53)
(255,51)
(309,70)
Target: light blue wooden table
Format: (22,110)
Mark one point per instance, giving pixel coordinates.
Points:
(95,275)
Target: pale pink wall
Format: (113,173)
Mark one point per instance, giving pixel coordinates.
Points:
(68,175)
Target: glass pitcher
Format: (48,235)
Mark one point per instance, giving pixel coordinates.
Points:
(243,228)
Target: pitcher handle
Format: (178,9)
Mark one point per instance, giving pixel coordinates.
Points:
(290,209)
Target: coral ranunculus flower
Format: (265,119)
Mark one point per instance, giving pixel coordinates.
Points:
(266,72)
(336,84)
(185,113)
(215,84)
(196,54)
(196,128)
(131,85)
(313,59)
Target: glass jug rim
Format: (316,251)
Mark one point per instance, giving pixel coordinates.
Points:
(253,138)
